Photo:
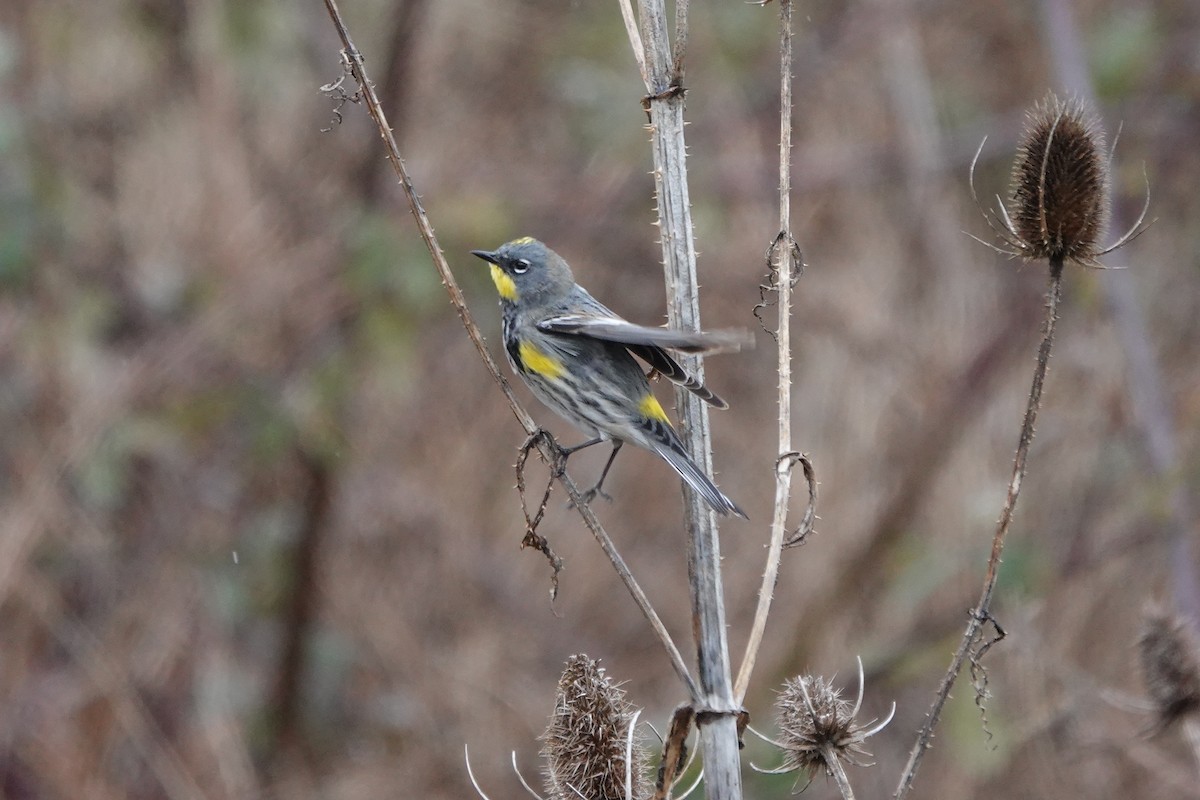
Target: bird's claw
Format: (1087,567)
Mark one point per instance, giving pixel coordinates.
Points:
(591,494)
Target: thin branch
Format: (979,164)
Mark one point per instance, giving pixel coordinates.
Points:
(783,267)
(353,61)
(771,573)
(982,614)
(635,38)
(681,40)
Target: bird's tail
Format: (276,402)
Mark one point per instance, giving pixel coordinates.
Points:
(673,453)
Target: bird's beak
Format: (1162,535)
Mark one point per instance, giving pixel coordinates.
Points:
(486,255)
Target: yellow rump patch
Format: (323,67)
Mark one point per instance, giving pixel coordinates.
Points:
(650,407)
(538,362)
(504,284)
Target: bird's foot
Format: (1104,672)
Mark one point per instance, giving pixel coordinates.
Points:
(590,495)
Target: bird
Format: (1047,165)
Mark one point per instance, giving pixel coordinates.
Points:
(577,357)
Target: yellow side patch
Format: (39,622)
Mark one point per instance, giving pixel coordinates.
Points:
(524,240)
(504,284)
(650,407)
(538,362)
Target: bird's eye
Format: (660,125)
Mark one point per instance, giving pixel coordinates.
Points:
(520,266)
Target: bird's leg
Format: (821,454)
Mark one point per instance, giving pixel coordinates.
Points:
(560,462)
(566,451)
(598,489)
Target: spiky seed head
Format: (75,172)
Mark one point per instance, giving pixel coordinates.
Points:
(1059,204)
(586,744)
(811,733)
(1170,657)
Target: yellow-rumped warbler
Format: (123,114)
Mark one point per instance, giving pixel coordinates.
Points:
(577,358)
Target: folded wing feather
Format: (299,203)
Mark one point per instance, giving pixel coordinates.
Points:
(651,344)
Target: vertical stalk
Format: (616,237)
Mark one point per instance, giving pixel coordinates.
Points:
(982,613)
(784,266)
(716,712)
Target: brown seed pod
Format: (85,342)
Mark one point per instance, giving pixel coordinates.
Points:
(587,744)
(814,721)
(1170,657)
(1059,203)
(818,730)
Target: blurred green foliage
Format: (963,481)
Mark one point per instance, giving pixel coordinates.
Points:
(1122,49)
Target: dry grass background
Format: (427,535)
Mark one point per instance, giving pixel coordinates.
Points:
(259,537)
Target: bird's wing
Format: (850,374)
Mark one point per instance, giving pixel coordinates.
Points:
(651,344)
(660,360)
(614,329)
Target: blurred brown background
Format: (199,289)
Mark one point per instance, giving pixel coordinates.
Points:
(258,533)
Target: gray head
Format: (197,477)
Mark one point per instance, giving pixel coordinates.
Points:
(526,271)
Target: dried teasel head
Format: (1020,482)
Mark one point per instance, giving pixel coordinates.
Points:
(589,748)
(1059,204)
(815,721)
(1170,658)
(818,727)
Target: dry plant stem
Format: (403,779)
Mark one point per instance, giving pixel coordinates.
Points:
(354,63)
(783,261)
(834,766)
(681,39)
(635,38)
(981,614)
(716,712)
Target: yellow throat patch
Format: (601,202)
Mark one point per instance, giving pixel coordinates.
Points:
(651,409)
(504,284)
(540,363)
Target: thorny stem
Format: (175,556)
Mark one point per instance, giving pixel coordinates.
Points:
(716,710)
(783,263)
(354,63)
(982,613)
